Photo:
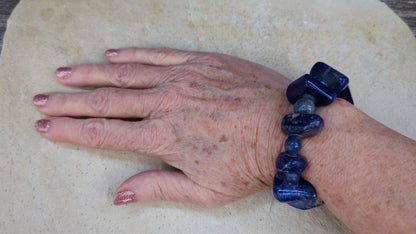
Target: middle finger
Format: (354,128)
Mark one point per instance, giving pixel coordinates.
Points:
(113,75)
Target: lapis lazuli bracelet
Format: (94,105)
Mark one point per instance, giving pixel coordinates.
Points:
(319,88)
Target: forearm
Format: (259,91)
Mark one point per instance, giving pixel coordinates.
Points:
(363,171)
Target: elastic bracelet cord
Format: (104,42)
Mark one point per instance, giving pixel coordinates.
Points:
(319,88)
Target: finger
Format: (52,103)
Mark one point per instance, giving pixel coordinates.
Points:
(149,137)
(158,185)
(152,56)
(116,75)
(106,102)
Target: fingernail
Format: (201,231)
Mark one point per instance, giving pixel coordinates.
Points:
(111,53)
(40,99)
(124,197)
(63,72)
(43,125)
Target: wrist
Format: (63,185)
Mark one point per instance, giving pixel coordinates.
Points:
(357,166)
(325,151)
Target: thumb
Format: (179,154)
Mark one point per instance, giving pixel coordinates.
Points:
(160,185)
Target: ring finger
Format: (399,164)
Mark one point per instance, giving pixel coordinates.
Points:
(107,102)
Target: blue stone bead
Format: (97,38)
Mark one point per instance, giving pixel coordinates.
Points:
(303,196)
(291,179)
(309,85)
(278,179)
(302,125)
(322,80)
(292,145)
(288,164)
(305,105)
(335,80)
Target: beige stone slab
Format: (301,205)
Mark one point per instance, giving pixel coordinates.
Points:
(61,188)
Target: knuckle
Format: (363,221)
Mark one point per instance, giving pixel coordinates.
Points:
(185,72)
(160,54)
(122,75)
(171,98)
(93,132)
(162,50)
(99,100)
(158,137)
(211,59)
(188,72)
(158,193)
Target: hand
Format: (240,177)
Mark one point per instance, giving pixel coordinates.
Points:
(214,117)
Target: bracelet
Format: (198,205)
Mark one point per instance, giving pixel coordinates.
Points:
(319,88)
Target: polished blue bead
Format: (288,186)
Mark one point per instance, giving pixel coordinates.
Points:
(305,105)
(292,145)
(309,85)
(302,125)
(278,179)
(322,80)
(288,164)
(284,193)
(303,196)
(291,179)
(335,80)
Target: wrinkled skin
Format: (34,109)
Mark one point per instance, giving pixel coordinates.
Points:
(214,117)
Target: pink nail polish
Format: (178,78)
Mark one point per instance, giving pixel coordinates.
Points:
(40,99)
(111,53)
(43,125)
(63,72)
(124,197)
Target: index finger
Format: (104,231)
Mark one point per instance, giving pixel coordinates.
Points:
(161,56)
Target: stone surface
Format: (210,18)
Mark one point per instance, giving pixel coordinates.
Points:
(302,125)
(292,145)
(301,196)
(61,188)
(287,163)
(305,105)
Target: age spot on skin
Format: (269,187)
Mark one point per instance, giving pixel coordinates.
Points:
(376,208)
(207,150)
(196,162)
(213,116)
(223,139)
(194,84)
